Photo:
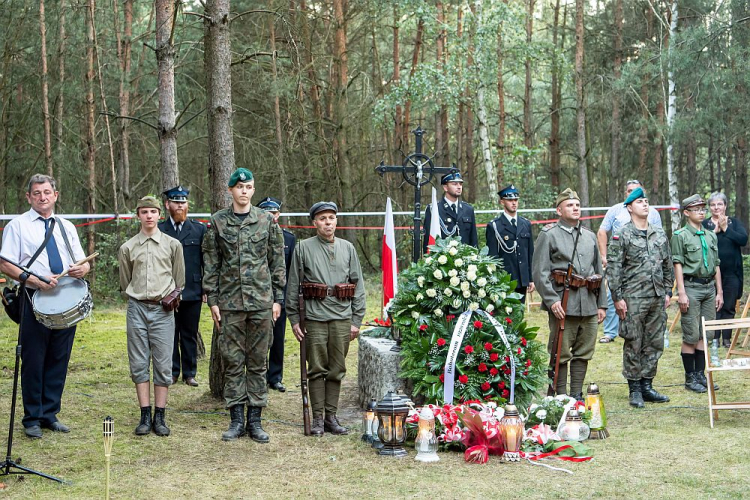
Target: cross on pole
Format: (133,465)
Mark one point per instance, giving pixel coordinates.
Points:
(417,170)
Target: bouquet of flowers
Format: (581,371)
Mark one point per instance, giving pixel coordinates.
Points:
(451,279)
(550,411)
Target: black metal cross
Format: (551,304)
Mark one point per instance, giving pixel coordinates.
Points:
(417,170)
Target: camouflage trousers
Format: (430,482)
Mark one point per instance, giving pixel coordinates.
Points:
(643,331)
(243,344)
(327,347)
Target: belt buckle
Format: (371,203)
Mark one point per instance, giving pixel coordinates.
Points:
(330,292)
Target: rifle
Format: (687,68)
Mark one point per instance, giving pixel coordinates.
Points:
(303,356)
(554,361)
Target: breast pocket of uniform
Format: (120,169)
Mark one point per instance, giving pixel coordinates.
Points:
(258,245)
(693,253)
(524,235)
(228,241)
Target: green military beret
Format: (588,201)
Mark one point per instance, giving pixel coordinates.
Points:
(568,194)
(240,175)
(148,202)
(634,195)
(693,201)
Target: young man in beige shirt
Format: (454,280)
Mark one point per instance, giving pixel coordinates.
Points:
(151,267)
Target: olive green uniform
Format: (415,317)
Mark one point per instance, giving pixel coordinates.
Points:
(553,250)
(698,277)
(244,274)
(328,321)
(640,272)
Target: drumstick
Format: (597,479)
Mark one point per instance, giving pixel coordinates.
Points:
(79,263)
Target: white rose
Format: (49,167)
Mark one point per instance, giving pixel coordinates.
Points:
(420,281)
(464,286)
(428,260)
(466,294)
(442,259)
(471,276)
(547,399)
(472,268)
(452,251)
(431,293)
(437,312)
(502,295)
(419,297)
(452,273)
(453,243)
(456,303)
(473,306)
(459,262)
(508,310)
(481,293)
(541,414)
(533,408)
(482,281)
(438,274)
(494,297)
(490,308)
(491,268)
(455,281)
(448,292)
(415,314)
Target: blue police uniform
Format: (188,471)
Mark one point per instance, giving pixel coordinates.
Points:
(458,222)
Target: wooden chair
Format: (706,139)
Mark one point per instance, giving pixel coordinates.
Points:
(737,324)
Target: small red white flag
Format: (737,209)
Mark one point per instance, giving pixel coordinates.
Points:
(434,221)
(388,262)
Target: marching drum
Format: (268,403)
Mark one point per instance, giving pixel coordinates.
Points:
(64,305)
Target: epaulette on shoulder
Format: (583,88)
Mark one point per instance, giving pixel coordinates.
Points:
(549,226)
(678,231)
(587,229)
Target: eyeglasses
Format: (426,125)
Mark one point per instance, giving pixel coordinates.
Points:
(697,210)
(633,181)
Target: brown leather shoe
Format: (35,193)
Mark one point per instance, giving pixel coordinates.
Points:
(333,426)
(317,427)
(191,382)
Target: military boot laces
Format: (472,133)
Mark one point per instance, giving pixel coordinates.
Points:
(160,425)
(700,377)
(332,425)
(650,394)
(237,425)
(692,384)
(254,428)
(317,427)
(636,398)
(144,426)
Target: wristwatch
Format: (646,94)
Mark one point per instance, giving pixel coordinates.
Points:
(23,277)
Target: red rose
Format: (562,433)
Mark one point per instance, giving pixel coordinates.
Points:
(463,379)
(422,327)
(494,356)
(508,320)
(478,324)
(491,313)
(442,378)
(519,351)
(507,359)
(440,342)
(488,346)
(486,386)
(506,370)
(501,385)
(469,349)
(525,372)
(523,341)
(528,363)
(449,317)
(493,371)
(482,367)
(506,393)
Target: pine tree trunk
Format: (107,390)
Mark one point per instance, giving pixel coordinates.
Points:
(583,180)
(314,94)
(414,61)
(61,80)
(671,112)
(45,92)
(280,155)
(555,110)
(90,122)
(614,158)
(527,107)
(443,147)
(484,135)
(165,57)
(125,52)
(500,107)
(398,126)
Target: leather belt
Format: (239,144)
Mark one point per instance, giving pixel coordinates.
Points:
(700,281)
(150,302)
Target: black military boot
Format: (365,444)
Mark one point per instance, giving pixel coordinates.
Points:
(254,428)
(650,394)
(692,383)
(144,426)
(636,398)
(700,377)
(160,425)
(237,425)
(318,426)
(332,425)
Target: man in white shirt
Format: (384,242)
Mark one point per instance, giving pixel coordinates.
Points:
(44,362)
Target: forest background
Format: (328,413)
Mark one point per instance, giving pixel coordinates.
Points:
(122,98)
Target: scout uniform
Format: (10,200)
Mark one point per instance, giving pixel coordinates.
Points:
(510,240)
(276,354)
(698,254)
(456,219)
(190,234)
(244,276)
(553,251)
(328,319)
(640,272)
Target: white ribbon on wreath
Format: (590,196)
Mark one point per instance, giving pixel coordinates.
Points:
(462,324)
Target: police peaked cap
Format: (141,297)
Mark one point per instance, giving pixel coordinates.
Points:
(454,177)
(509,192)
(178,194)
(270,204)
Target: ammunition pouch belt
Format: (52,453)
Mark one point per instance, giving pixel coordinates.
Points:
(593,282)
(319,291)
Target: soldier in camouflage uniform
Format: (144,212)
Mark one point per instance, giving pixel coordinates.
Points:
(695,253)
(244,277)
(586,308)
(640,278)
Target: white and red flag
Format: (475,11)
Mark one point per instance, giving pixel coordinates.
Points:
(388,262)
(434,221)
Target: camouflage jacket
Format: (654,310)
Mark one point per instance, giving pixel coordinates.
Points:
(243,261)
(639,265)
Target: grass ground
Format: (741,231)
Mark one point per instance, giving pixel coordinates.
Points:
(662,451)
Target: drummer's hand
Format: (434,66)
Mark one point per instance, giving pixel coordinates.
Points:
(35,282)
(216,316)
(78,271)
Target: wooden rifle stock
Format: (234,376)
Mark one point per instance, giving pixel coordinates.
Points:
(303,369)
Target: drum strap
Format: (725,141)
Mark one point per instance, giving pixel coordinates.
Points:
(65,238)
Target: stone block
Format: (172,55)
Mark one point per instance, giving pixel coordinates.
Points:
(379,369)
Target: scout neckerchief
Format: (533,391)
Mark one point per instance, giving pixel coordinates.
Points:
(704,247)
